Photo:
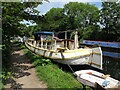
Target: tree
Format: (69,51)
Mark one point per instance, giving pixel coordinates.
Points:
(110,20)
(83,16)
(55,20)
(12,14)
(30,30)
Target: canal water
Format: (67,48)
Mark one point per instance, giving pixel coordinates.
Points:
(111,64)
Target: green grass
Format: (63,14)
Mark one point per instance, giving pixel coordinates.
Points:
(56,78)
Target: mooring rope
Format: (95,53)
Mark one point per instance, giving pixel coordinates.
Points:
(70,68)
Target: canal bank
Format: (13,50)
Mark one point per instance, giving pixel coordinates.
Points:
(52,74)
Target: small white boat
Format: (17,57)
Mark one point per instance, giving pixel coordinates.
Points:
(65,51)
(94,79)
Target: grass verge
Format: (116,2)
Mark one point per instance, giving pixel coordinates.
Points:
(56,78)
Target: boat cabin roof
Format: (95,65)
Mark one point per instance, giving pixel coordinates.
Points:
(44,32)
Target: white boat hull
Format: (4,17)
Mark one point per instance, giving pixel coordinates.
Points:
(74,61)
(71,57)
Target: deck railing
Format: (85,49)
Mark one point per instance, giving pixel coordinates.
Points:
(45,44)
(52,44)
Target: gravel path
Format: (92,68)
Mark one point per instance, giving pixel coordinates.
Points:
(25,76)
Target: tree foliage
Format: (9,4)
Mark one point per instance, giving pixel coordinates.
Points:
(12,14)
(82,16)
(15,12)
(55,18)
(110,19)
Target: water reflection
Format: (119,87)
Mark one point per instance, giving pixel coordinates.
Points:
(112,66)
(111,54)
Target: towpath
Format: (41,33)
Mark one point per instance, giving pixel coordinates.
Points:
(25,76)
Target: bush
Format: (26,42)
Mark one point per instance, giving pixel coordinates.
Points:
(41,62)
(7,75)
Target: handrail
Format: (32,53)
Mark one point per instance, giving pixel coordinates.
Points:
(41,40)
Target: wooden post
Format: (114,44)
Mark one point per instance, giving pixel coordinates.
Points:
(41,42)
(46,45)
(65,35)
(55,45)
(34,44)
(76,40)
(66,38)
(53,35)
